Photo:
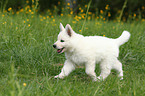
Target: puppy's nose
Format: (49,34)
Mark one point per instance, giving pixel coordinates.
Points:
(54,46)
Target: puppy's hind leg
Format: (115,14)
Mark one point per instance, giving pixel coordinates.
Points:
(118,66)
(105,69)
(66,70)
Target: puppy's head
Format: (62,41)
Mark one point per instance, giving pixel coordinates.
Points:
(63,39)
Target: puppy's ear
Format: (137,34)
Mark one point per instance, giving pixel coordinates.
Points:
(69,30)
(61,27)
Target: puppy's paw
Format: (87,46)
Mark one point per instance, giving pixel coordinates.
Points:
(121,78)
(58,76)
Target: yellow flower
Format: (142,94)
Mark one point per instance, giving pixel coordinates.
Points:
(101,11)
(10,9)
(3,15)
(58,2)
(80,30)
(109,14)
(74,2)
(89,18)
(16,28)
(27,19)
(29,10)
(85,6)
(24,84)
(79,17)
(44,17)
(134,15)
(32,12)
(24,21)
(103,35)
(73,21)
(53,20)
(83,17)
(68,4)
(21,10)
(32,0)
(82,10)
(107,7)
(29,25)
(17,12)
(71,12)
(61,14)
(89,13)
(27,1)
(143,8)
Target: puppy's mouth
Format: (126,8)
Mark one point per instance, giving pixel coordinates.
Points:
(60,50)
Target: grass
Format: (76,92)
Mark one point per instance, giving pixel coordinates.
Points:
(28,62)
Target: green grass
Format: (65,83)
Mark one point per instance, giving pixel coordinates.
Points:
(27,56)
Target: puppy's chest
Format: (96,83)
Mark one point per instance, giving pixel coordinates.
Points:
(76,58)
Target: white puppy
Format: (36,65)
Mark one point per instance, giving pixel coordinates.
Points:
(89,50)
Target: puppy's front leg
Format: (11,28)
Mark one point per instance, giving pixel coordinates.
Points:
(90,70)
(66,70)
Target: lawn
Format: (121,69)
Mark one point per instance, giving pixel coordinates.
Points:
(28,62)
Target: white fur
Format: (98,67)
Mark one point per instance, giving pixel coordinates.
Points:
(89,51)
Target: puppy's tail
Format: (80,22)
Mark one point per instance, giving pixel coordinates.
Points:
(123,38)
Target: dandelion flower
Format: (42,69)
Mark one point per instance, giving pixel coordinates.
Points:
(143,7)
(53,20)
(27,1)
(89,13)
(74,2)
(101,11)
(29,10)
(134,15)
(68,4)
(71,12)
(61,14)
(109,14)
(74,22)
(44,17)
(32,0)
(32,12)
(29,25)
(24,84)
(82,10)
(10,9)
(59,3)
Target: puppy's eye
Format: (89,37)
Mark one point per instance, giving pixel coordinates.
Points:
(61,40)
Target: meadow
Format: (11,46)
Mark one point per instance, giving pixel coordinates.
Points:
(28,62)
